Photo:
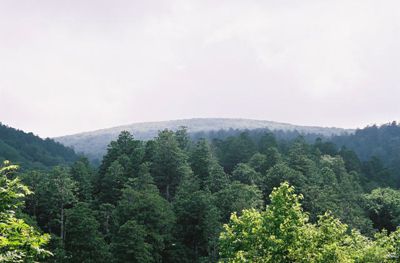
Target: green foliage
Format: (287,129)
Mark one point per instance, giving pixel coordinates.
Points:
(197,220)
(382,142)
(383,205)
(201,159)
(235,150)
(352,162)
(282,233)
(30,151)
(206,168)
(83,174)
(279,173)
(141,202)
(112,183)
(56,192)
(266,142)
(169,164)
(245,174)
(261,163)
(83,241)
(236,197)
(332,188)
(217,179)
(19,242)
(299,158)
(182,137)
(376,174)
(166,200)
(269,236)
(129,244)
(121,163)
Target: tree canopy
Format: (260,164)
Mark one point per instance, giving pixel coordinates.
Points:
(252,196)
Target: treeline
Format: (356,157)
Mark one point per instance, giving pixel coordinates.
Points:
(376,141)
(283,233)
(374,145)
(167,199)
(30,151)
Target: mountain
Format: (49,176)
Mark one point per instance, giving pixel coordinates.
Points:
(94,143)
(31,151)
(375,141)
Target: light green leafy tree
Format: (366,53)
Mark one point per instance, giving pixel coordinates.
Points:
(19,242)
(282,233)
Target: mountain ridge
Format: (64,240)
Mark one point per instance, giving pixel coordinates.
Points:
(31,151)
(129,126)
(94,143)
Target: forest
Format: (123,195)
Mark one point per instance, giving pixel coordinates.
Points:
(31,151)
(228,196)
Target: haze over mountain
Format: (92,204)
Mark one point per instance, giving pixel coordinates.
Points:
(94,143)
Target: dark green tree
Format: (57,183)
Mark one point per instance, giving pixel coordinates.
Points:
(383,205)
(198,224)
(237,197)
(141,202)
(200,159)
(129,244)
(112,183)
(279,173)
(83,174)
(128,153)
(236,150)
(169,164)
(351,160)
(267,141)
(245,174)
(299,158)
(83,240)
(57,193)
(182,137)
(375,174)
(217,178)
(124,145)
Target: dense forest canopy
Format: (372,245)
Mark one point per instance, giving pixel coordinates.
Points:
(31,151)
(250,196)
(94,143)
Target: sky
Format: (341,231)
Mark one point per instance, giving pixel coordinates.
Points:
(68,66)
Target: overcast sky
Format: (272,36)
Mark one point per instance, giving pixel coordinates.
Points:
(71,66)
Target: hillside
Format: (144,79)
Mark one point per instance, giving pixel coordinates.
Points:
(94,143)
(31,151)
(180,195)
(375,141)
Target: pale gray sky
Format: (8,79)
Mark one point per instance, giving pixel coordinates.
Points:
(76,65)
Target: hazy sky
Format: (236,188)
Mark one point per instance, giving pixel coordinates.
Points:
(69,66)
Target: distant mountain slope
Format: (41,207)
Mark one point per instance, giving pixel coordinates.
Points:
(31,151)
(380,141)
(94,143)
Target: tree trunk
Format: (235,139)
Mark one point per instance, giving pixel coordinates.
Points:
(62,223)
(196,251)
(35,204)
(167,193)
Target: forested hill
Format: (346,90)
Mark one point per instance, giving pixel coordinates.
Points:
(94,143)
(31,151)
(382,141)
(375,141)
(171,199)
